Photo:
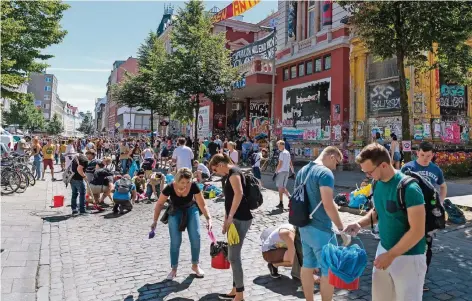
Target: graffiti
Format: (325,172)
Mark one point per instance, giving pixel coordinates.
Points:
(337,132)
(418,103)
(417,80)
(384,98)
(452,100)
(259,118)
(385,125)
(258,109)
(265,48)
(461,120)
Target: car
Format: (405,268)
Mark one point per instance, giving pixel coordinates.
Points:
(7,139)
(4,150)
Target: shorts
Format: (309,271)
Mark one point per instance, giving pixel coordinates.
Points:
(48,162)
(274,256)
(396,156)
(63,159)
(313,241)
(281,179)
(257,172)
(97,189)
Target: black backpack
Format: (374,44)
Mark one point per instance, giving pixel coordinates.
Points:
(252,191)
(299,212)
(100,175)
(435,213)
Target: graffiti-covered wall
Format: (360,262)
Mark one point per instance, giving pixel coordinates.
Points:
(258,118)
(306,110)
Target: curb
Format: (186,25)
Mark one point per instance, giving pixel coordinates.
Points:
(43,281)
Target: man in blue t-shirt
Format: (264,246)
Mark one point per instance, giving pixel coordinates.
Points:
(434,174)
(319,186)
(400,263)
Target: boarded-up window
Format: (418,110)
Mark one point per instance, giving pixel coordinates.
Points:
(382,69)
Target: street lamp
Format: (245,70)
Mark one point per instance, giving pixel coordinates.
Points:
(272,101)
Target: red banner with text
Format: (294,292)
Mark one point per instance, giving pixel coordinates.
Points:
(236,8)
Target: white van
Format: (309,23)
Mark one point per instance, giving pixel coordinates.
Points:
(7,138)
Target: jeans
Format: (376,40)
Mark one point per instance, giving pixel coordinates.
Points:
(37,168)
(149,190)
(124,165)
(78,189)
(234,254)
(193,229)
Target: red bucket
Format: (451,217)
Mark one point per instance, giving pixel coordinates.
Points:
(58,201)
(220,262)
(339,283)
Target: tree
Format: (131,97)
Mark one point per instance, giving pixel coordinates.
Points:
(149,88)
(200,63)
(409,30)
(86,127)
(24,113)
(54,126)
(28,27)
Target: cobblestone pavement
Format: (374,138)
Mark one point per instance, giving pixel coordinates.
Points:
(103,257)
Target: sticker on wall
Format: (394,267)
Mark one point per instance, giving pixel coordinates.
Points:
(387,132)
(426,130)
(337,132)
(406,145)
(418,132)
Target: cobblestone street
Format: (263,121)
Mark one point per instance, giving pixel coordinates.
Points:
(104,257)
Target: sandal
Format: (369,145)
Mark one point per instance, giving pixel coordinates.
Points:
(171,275)
(199,273)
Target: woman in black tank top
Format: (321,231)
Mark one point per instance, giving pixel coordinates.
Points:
(237,212)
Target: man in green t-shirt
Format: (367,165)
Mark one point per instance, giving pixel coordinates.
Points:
(400,263)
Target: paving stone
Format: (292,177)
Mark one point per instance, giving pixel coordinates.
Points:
(24,285)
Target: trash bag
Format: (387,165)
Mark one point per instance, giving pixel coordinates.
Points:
(218,247)
(133,169)
(347,263)
(341,199)
(357,201)
(454,213)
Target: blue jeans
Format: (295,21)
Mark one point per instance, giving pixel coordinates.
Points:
(149,190)
(193,229)
(37,168)
(124,167)
(78,189)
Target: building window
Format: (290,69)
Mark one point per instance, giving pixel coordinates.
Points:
(48,79)
(286,74)
(311,3)
(311,22)
(309,67)
(47,88)
(138,122)
(293,72)
(382,69)
(327,62)
(318,65)
(301,69)
(146,122)
(46,97)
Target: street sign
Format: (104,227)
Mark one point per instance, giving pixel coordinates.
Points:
(117,125)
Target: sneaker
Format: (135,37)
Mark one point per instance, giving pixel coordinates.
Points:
(274,272)
(280,205)
(75,212)
(226,297)
(53,179)
(84,212)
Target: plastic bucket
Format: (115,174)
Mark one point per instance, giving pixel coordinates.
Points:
(220,262)
(58,201)
(339,283)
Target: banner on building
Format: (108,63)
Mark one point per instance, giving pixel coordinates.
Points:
(265,48)
(292,19)
(204,122)
(236,8)
(327,12)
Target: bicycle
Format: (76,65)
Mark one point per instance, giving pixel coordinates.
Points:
(271,163)
(15,176)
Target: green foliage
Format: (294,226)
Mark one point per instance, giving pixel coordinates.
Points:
(86,127)
(28,27)
(54,126)
(200,62)
(24,113)
(408,30)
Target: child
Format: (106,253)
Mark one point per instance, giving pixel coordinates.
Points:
(124,194)
(155,185)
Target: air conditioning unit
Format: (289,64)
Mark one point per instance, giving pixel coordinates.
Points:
(236,106)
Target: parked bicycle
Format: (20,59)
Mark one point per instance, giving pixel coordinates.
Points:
(16,176)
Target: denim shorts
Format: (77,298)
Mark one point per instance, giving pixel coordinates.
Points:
(396,156)
(313,241)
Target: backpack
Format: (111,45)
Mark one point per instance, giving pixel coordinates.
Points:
(435,213)
(124,185)
(69,172)
(299,213)
(99,176)
(252,191)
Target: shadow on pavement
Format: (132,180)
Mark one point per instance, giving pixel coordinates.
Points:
(57,219)
(284,285)
(114,215)
(209,297)
(161,289)
(276,211)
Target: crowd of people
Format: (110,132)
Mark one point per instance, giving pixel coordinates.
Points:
(131,170)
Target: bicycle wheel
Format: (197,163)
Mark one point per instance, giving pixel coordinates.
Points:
(31,178)
(10,182)
(24,181)
(272,166)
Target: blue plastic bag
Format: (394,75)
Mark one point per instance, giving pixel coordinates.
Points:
(133,169)
(357,201)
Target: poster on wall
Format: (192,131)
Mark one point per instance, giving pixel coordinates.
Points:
(307,107)
(292,133)
(259,118)
(204,122)
(426,130)
(384,99)
(406,146)
(418,132)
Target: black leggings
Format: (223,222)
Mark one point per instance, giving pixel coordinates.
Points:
(429,251)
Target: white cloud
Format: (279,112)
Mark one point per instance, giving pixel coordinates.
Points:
(78,69)
(81,95)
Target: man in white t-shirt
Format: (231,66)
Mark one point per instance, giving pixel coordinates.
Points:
(219,142)
(282,172)
(182,155)
(202,173)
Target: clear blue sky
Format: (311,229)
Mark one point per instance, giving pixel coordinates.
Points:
(100,32)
